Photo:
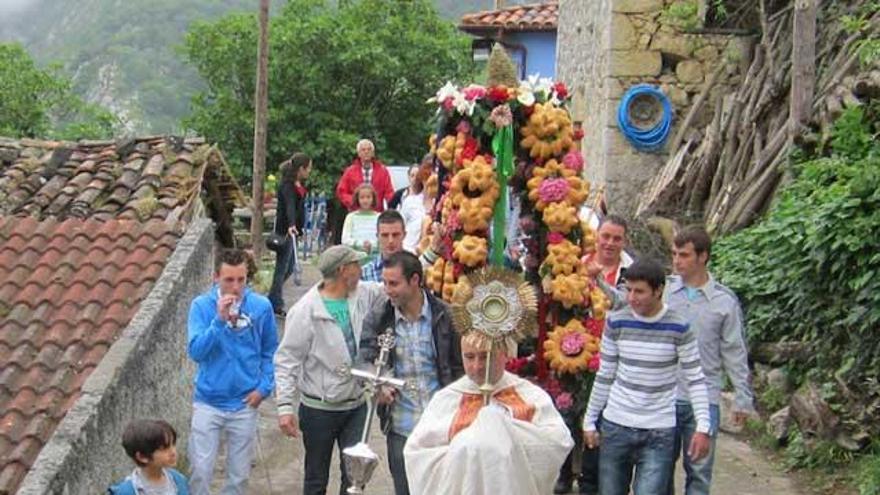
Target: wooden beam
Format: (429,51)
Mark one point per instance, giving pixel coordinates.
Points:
(261,102)
(803,70)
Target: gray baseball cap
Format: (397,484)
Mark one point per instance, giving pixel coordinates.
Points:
(337,256)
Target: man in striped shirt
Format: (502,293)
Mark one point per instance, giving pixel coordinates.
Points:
(643,348)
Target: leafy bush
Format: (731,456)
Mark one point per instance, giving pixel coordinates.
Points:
(810,271)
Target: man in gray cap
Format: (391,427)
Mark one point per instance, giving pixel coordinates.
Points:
(321,334)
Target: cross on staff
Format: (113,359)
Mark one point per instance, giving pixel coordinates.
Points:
(359,459)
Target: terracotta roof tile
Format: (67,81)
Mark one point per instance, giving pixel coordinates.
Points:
(67,289)
(532,17)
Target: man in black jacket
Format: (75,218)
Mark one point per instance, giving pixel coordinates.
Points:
(427,353)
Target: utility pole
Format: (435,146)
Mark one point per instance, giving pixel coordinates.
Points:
(261,103)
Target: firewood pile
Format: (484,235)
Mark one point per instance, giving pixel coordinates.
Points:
(804,72)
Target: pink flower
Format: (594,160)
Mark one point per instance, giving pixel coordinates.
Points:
(448,104)
(555,237)
(553,190)
(463,126)
(594,327)
(564,401)
(574,161)
(573,344)
(593,365)
(474,92)
(501,116)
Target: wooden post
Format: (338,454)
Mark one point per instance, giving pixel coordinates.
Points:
(803,68)
(261,103)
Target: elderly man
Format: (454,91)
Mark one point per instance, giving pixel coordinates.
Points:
(513,446)
(426,353)
(365,169)
(321,335)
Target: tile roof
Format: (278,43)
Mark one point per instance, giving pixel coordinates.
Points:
(67,289)
(532,17)
(86,229)
(139,179)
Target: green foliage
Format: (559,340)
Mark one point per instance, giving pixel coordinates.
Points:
(867,48)
(363,69)
(810,271)
(868,473)
(682,14)
(39,103)
(818,454)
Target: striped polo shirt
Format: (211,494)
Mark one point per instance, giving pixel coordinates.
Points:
(640,363)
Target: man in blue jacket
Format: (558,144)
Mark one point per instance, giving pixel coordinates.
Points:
(232,339)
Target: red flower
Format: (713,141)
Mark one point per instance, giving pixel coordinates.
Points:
(578,134)
(594,326)
(498,94)
(469,152)
(594,363)
(555,237)
(564,401)
(516,365)
(561,90)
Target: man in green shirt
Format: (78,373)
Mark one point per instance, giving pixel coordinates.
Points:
(321,334)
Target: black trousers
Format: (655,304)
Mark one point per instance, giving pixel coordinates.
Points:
(320,431)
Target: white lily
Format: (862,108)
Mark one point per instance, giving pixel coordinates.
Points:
(462,105)
(525,96)
(448,90)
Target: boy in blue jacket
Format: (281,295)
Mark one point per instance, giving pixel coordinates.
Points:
(151,445)
(232,339)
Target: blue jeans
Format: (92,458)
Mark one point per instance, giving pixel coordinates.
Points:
(396,463)
(208,423)
(698,474)
(285,264)
(320,430)
(650,452)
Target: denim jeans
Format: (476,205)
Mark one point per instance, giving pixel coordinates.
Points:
(320,430)
(647,451)
(208,424)
(698,474)
(396,463)
(285,261)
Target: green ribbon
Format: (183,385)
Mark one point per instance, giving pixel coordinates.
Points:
(502,146)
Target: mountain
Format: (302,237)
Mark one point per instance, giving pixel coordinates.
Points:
(123,54)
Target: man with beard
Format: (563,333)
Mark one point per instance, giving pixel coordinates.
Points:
(427,353)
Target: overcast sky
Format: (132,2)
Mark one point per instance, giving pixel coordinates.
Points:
(12,6)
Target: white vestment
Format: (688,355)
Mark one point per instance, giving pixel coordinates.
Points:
(491,451)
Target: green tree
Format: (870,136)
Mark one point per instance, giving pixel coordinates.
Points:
(363,69)
(37,102)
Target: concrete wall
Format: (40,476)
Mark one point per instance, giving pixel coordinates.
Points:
(145,374)
(607,46)
(540,51)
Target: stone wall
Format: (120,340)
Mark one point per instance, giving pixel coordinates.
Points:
(634,43)
(145,374)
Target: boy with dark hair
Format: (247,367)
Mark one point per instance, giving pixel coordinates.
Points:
(232,338)
(716,320)
(151,445)
(643,348)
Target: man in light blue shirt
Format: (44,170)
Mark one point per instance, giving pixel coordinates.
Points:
(716,318)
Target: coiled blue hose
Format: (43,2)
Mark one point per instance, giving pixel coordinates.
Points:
(645,139)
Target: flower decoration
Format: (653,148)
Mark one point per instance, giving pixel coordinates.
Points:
(562,257)
(574,161)
(560,90)
(568,289)
(498,94)
(553,190)
(501,116)
(564,401)
(471,250)
(560,217)
(567,338)
(555,238)
(474,92)
(548,132)
(463,127)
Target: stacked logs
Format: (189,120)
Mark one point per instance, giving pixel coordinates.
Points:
(728,172)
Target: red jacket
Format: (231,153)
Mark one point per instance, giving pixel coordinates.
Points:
(353,176)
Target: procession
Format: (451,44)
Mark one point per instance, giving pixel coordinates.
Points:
(599,248)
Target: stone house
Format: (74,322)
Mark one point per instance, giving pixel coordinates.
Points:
(607,46)
(102,246)
(528,32)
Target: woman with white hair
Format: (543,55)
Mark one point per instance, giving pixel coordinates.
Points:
(365,169)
